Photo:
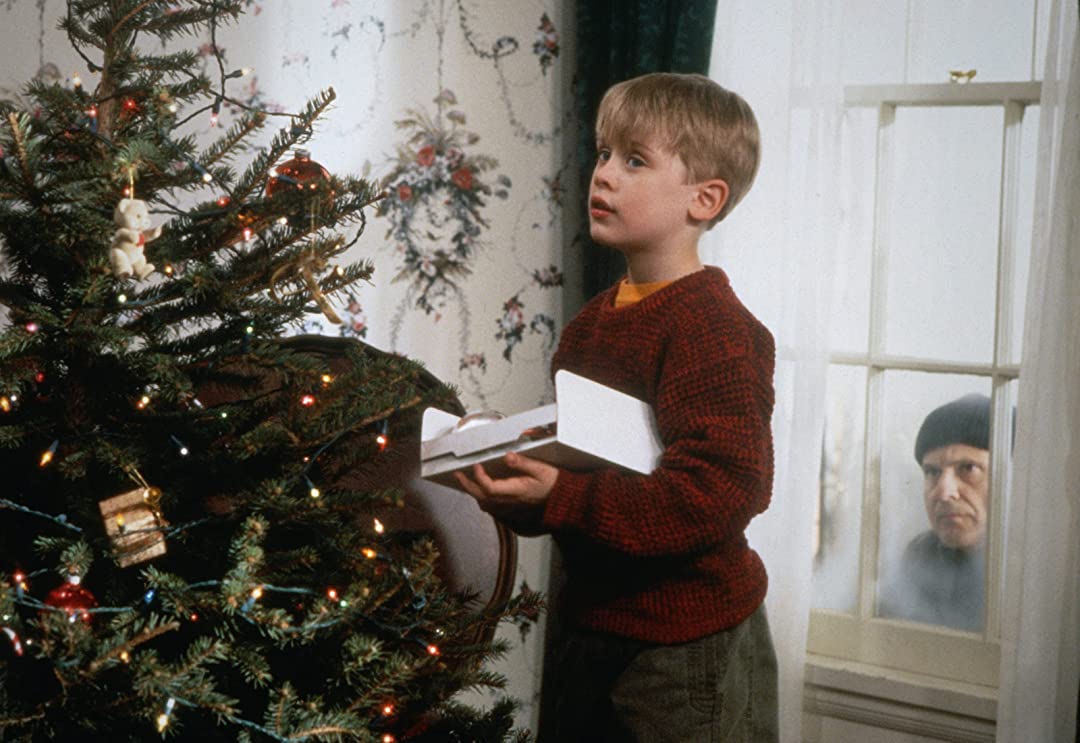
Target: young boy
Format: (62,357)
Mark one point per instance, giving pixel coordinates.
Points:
(666,635)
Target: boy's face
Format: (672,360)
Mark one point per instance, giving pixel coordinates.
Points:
(639,198)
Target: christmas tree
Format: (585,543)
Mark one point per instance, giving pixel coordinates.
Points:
(196,519)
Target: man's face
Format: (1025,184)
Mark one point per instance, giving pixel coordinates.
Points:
(956,488)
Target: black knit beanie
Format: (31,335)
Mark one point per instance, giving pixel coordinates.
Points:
(963,421)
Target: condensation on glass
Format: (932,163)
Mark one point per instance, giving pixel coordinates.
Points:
(934,513)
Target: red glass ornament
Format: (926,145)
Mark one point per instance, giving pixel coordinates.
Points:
(301,173)
(73,599)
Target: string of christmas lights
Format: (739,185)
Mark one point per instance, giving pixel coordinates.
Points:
(158,423)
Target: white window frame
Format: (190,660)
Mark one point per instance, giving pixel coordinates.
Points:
(962,658)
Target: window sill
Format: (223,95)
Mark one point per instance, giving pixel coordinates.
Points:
(870,697)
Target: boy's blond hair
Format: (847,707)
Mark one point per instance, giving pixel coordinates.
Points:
(713,130)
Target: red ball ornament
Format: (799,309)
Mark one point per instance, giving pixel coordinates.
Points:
(73,599)
(299,174)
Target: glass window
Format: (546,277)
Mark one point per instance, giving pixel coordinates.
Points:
(934,516)
(928,291)
(940,231)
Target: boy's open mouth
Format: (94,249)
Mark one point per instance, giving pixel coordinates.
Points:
(598,207)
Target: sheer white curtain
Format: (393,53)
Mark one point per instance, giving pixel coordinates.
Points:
(784,58)
(1040,653)
(781,247)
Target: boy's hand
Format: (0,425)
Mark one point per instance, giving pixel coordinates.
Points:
(527,490)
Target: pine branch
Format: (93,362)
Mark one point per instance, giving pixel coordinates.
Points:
(224,146)
(116,382)
(18,125)
(282,143)
(16,721)
(110,37)
(131,644)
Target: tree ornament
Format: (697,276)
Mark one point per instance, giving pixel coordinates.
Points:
(300,174)
(16,643)
(304,176)
(73,599)
(132,218)
(133,523)
(307,265)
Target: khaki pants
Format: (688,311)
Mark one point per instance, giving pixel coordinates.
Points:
(718,689)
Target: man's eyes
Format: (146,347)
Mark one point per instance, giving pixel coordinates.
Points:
(969,468)
(963,469)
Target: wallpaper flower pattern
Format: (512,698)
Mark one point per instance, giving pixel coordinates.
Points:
(435,203)
(455,106)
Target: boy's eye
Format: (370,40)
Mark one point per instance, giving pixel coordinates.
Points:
(603,155)
(635,162)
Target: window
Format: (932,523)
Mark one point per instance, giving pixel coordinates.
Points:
(929,309)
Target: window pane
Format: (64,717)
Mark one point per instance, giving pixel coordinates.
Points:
(932,528)
(991,36)
(1024,223)
(839,512)
(941,231)
(849,318)
(874,41)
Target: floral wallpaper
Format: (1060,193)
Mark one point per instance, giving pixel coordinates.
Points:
(465,138)
(458,108)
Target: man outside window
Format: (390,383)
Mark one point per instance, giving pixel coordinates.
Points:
(941,575)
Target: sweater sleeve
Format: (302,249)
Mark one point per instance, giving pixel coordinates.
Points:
(713,404)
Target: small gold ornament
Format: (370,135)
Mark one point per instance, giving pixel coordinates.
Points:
(307,265)
(134,523)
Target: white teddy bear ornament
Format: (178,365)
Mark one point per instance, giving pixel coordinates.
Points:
(132,218)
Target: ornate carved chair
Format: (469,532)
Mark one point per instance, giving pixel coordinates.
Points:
(478,556)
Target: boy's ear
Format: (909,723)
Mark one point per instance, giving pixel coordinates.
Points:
(709,198)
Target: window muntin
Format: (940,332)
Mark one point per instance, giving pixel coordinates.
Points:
(1020,259)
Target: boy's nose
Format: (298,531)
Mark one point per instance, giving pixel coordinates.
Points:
(601,174)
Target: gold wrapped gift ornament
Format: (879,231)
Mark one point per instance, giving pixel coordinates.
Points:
(134,525)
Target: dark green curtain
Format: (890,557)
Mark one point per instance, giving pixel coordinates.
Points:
(620,39)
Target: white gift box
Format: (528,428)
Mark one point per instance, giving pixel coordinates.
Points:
(588,426)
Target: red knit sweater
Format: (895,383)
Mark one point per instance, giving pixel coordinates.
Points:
(663,557)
